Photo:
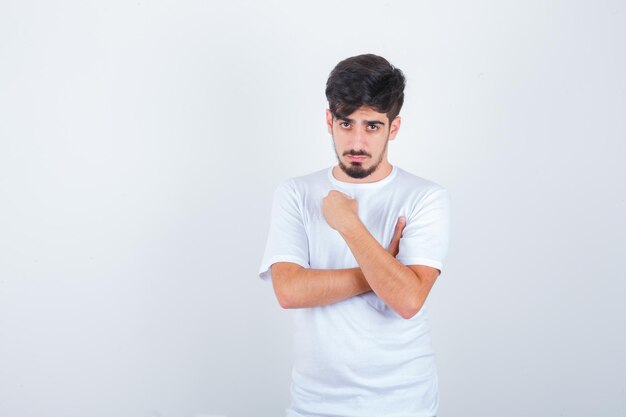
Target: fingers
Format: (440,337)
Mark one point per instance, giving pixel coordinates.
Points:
(336,193)
(399,227)
(394,246)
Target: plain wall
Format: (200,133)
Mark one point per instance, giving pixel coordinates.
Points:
(140,144)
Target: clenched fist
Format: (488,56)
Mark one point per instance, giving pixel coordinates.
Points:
(340,210)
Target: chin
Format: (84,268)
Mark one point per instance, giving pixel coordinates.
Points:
(356,170)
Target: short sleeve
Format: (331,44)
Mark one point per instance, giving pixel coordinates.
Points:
(287,240)
(426,235)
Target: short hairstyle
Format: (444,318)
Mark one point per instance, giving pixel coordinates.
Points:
(365,80)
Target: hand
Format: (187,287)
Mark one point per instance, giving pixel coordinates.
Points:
(340,211)
(394,245)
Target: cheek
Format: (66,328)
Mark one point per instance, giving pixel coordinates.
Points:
(339,141)
(378,150)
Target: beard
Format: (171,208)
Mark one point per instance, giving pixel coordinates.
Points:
(356,169)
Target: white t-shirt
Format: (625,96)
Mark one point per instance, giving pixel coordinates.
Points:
(358,357)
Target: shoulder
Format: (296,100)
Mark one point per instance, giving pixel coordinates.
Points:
(418,185)
(426,199)
(300,185)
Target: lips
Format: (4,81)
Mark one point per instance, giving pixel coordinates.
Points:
(359,158)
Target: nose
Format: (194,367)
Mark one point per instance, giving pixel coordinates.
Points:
(358,139)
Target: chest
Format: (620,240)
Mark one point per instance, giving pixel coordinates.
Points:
(379,213)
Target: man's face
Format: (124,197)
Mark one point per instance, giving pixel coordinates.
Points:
(361,140)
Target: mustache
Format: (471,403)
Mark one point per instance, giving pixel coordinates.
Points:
(352,152)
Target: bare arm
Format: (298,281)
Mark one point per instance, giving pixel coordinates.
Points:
(403,288)
(298,287)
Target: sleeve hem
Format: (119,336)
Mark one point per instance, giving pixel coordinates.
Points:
(421,261)
(265,273)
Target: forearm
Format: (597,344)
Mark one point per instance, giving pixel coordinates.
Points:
(298,287)
(396,284)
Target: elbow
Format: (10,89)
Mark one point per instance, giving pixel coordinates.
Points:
(410,310)
(285,300)
(408,313)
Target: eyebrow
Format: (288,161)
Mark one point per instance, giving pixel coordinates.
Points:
(365,122)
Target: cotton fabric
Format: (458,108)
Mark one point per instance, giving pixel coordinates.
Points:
(358,357)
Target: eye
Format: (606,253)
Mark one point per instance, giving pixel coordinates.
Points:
(373,127)
(345,125)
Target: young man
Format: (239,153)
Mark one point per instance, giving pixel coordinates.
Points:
(355,249)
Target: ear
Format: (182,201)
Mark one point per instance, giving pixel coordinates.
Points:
(394,127)
(329,121)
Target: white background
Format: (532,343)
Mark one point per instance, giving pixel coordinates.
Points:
(141,141)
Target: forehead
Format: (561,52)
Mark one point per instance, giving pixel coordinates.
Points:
(368,114)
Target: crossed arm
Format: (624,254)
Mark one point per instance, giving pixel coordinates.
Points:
(403,288)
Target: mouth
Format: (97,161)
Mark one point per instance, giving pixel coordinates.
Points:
(356,158)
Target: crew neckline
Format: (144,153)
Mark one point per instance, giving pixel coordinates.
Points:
(362,185)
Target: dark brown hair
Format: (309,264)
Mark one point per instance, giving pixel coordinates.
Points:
(365,80)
